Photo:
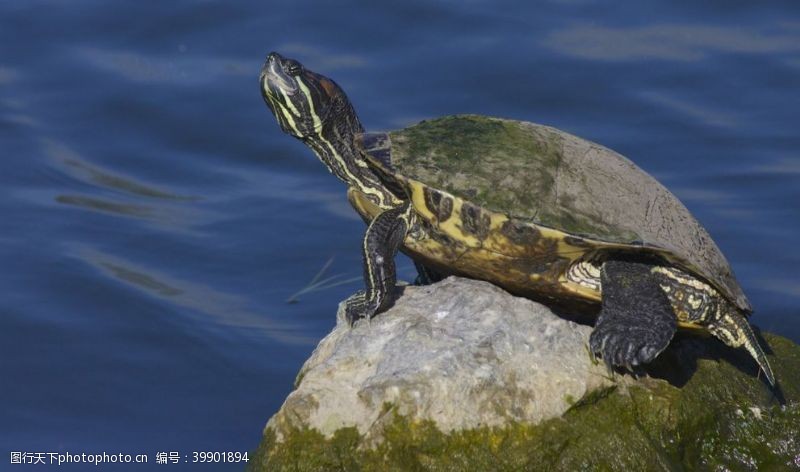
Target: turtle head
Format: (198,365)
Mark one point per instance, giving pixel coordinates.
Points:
(302,101)
(314,109)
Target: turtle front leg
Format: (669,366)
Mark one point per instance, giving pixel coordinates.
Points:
(382,240)
(636,320)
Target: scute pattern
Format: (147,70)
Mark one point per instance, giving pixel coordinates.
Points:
(542,178)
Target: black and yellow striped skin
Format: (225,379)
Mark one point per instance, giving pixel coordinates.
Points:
(304,111)
(316,110)
(697,304)
(452,235)
(383,238)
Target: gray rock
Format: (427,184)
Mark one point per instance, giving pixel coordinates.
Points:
(461,352)
(484,367)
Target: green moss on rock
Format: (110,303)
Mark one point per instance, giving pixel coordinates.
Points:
(719,418)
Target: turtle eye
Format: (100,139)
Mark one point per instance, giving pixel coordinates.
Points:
(293,67)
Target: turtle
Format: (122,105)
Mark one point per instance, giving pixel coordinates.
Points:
(530,208)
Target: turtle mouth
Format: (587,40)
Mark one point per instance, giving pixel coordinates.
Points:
(276,76)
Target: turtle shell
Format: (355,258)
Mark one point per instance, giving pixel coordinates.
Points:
(525,201)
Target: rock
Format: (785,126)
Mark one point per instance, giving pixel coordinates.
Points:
(460,375)
(462,353)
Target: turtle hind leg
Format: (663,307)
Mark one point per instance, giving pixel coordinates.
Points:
(732,328)
(383,238)
(636,321)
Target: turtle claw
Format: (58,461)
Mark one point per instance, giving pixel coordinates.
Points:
(610,368)
(358,307)
(621,348)
(352,317)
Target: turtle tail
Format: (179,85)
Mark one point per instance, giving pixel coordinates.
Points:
(733,329)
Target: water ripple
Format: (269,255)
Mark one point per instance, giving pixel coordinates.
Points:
(178,68)
(213,306)
(677,42)
(81,169)
(702,113)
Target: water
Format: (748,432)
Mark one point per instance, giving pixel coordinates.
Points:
(155,219)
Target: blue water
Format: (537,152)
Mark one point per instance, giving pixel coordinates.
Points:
(154,219)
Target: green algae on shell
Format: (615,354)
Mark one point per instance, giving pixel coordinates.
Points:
(541,175)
